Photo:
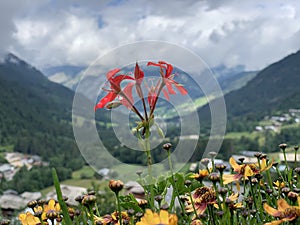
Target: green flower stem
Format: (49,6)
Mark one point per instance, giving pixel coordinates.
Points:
(119,208)
(270,179)
(91,212)
(286,167)
(149,163)
(221,179)
(192,201)
(62,203)
(211,214)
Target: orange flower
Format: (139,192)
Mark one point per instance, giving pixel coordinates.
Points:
(244,170)
(201,198)
(285,212)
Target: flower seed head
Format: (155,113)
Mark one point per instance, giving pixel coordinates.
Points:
(296,148)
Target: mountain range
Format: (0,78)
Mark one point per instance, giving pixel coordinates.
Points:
(274,90)
(35,114)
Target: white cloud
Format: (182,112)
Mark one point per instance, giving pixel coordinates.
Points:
(252,33)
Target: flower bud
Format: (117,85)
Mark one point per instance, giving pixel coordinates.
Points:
(187,183)
(79,198)
(297,170)
(51,214)
(142,203)
(167,146)
(212,154)
(293,196)
(296,147)
(116,185)
(165,206)
(205,161)
(32,204)
(214,177)
(283,146)
(258,154)
(242,159)
(221,167)
(89,200)
(285,190)
(222,191)
(5,222)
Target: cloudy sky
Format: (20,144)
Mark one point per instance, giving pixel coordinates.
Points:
(50,33)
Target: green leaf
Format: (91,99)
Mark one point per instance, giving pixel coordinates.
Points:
(62,203)
(160,131)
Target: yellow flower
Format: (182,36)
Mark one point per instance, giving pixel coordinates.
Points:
(200,175)
(285,212)
(28,219)
(245,170)
(279,184)
(51,210)
(163,218)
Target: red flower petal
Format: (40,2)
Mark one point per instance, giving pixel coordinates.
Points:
(128,101)
(111,73)
(106,99)
(138,74)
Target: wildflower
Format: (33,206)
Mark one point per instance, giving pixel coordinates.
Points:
(200,175)
(279,185)
(51,210)
(168,77)
(115,88)
(111,218)
(152,218)
(245,170)
(28,219)
(285,212)
(201,198)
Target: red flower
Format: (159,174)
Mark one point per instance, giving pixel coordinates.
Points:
(115,89)
(168,79)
